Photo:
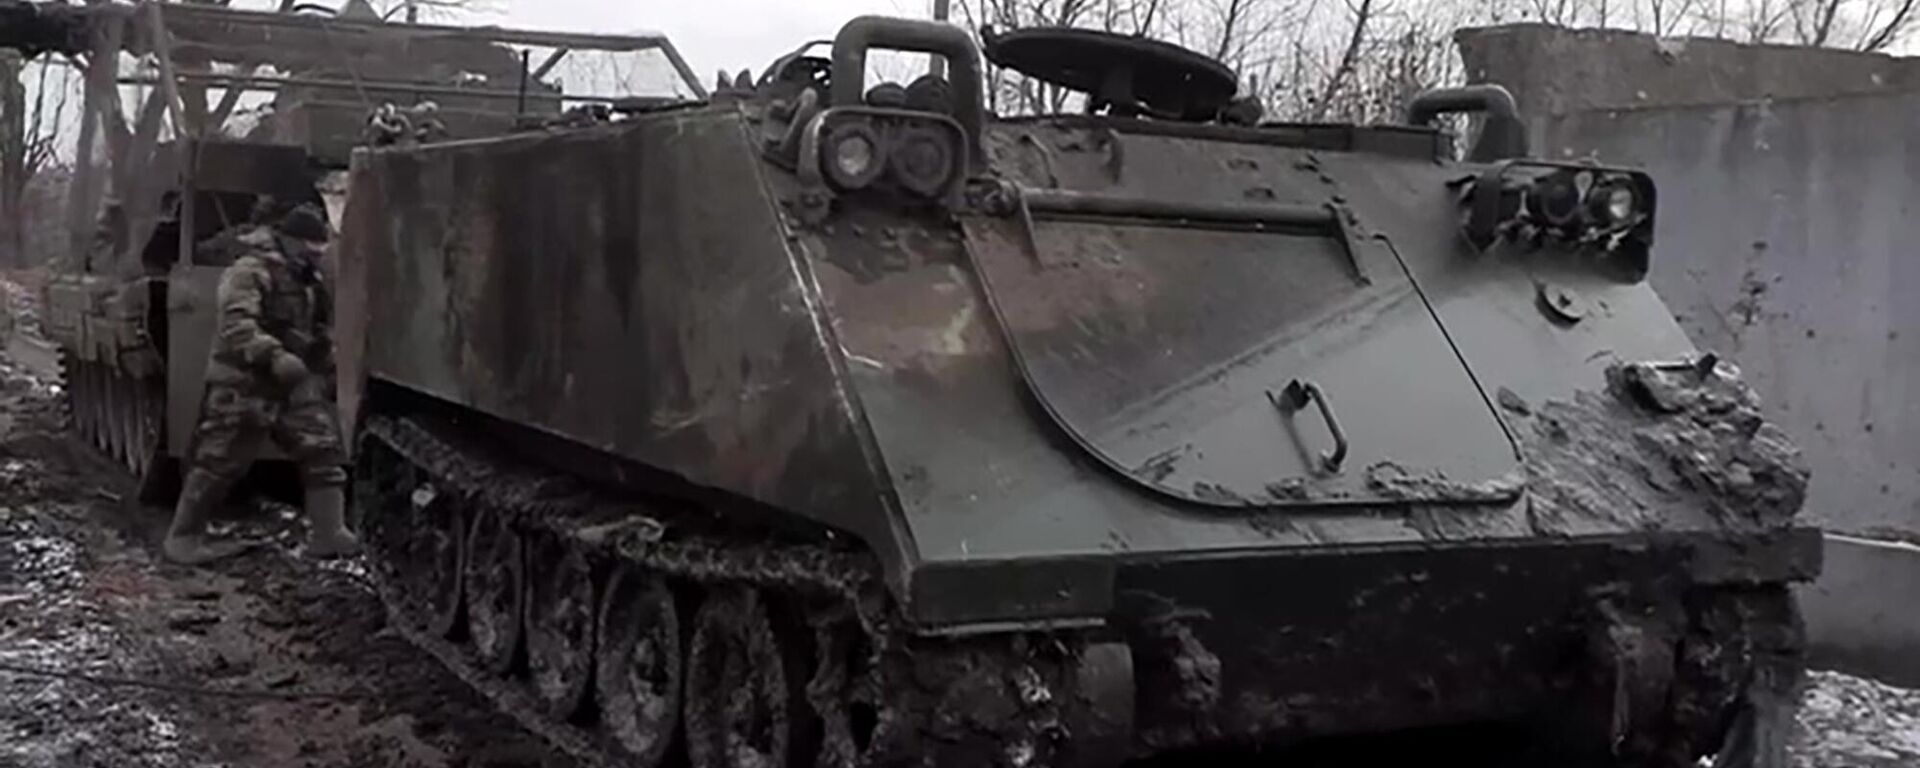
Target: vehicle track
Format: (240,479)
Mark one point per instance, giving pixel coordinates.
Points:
(805,622)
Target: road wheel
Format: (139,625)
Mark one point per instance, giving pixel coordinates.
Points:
(496,590)
(639,669)
(560,629)
(739,705)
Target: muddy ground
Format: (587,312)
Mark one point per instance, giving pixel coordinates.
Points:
(109,657)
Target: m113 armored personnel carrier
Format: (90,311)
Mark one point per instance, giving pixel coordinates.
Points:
(820,424)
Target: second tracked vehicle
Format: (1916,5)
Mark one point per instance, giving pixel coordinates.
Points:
(208,114)
(826,424)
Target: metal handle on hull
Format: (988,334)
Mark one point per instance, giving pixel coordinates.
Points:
(1295,397)
(1331,219)
(1074,203)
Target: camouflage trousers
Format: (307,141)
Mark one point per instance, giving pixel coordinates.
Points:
(239,420)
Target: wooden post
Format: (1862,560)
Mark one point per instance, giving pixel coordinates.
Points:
(87,188)
(185,132)
(13,159)
(137,178)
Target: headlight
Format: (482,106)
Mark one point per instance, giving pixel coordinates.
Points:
(1555,199)
(1612,204)
(854,156)
(1598,209)
(922,159)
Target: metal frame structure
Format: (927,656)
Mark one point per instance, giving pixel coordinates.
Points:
(134,316)
(187,41)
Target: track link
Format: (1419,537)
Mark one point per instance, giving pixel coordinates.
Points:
(837,637)
(119,416)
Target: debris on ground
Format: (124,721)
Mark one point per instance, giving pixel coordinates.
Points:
(1848,722)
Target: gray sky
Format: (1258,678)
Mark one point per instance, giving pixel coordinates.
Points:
(711,34)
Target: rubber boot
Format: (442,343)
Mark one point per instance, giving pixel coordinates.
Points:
(327,517)
(186,541)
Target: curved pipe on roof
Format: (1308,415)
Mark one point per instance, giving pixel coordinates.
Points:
(850,48)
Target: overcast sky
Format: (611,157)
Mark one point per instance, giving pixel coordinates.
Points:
(711,34)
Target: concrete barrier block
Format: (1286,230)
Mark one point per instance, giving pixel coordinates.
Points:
(1863,614)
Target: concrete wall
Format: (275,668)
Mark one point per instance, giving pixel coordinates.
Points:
(1788,235)
(1860,615)
(1788,239)
(1556,71)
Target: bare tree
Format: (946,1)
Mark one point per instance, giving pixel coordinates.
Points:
(1361,15)
(1883,32)
(36,107)
(415,11)
(1663,13)
(1867,25)
(1232,15)
(1813,21)
(1764,20)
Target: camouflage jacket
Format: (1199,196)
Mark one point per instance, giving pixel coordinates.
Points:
(270,302)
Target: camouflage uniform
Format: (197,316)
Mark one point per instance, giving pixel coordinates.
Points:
(270,304)
(268,379)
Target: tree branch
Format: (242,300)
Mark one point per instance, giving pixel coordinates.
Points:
(1230,20)
(1824,30)
(1360,17)
(1893,30)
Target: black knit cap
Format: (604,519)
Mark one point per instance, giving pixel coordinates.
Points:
(303,222)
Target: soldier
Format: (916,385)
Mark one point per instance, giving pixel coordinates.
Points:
(268,378)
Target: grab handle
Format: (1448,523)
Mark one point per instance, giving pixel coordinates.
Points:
(1295,397)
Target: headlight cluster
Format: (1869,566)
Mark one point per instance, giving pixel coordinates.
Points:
(1537,204)
(915,151)
(1567,199)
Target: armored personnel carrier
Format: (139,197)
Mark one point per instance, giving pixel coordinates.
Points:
(821,424)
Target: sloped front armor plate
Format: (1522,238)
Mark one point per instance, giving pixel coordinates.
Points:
(1164,351)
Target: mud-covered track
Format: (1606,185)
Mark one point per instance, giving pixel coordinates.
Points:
(780,647)
(117,414)
(701,646)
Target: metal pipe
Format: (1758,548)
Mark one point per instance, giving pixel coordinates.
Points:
(222,30)
(553,60)
(267,83)
(520,102)
(850,48)
(1489,98)
(1502,134)
(1072,203)
(226,21)
(680,65)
